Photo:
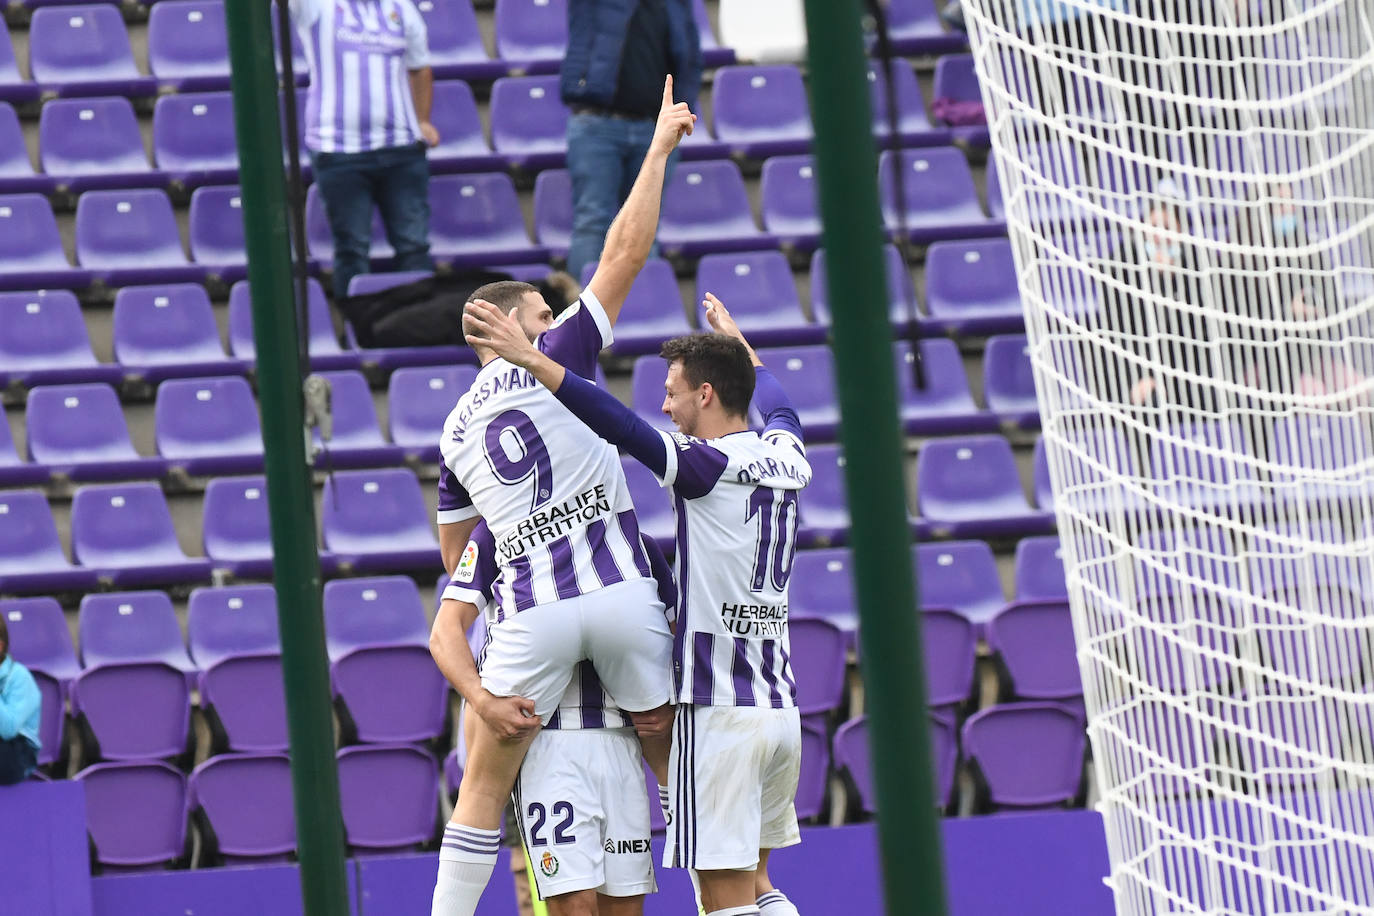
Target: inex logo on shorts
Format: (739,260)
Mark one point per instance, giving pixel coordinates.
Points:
(548,864)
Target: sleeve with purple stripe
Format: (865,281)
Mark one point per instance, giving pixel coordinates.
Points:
(455,505)
(578,336)
(773,404)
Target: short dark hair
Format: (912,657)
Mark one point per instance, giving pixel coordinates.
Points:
(723,361)
(504,294)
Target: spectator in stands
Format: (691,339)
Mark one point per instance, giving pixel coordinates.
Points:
(367,126)
(20,704)
(619,52)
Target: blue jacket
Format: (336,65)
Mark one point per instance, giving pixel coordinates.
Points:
(596,37)
(20,702)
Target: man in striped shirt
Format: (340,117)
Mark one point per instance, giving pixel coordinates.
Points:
(367,126)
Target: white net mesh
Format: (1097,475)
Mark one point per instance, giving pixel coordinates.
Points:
(1189,189)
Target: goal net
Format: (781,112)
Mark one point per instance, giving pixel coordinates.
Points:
(1188,187)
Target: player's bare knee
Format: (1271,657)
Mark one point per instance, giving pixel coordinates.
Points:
(620,906)
(578,903)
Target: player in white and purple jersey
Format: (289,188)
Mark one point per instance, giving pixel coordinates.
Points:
(575,581)
(737,737)
(579,797)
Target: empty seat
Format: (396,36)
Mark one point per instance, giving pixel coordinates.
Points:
(1040,569)
(188,45)
(456,50)
(817,652)
(961,576)
(325,352)
(959,100)
(125,531)
(40,637)
(79,431)
(647,392)
(758,289)
(1009,382)
(1027,755)
(84,50)
(531,35)
(237,535)
(789,206)
(320,238)
(652,312)
(403,816)
(761,111)
(814,774)
(43,340)
(902,310)
(31,557)
(233,637)
(217,233)
(913,127)
(553,211)
(193,136)
(357,437)
(226,622)
(14,471)
(914,28)
(243,803)
(653,507)
(135,813)
(476,221)
(829,589)
(377,520)
(938,197)
(377,632)
(93,143)
(129,237)
(16,171)
(463,145)
(950,645)
(13,87)
(419,400)
(1034,641)
(970,485)
(807,374)
(208,425)
(944,403)
(131,627)
(852,755)
(132,711)
(825,510)
(706,209)
(168,331)
(32,256)
(529,122)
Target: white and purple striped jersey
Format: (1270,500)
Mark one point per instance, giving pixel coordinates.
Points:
(736,504)
(585,704)
(360,52)
(551,490)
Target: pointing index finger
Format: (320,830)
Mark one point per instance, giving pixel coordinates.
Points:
(668,90)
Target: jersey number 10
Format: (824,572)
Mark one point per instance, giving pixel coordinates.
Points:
(777,531)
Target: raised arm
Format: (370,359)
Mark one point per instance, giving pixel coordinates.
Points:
(631,235)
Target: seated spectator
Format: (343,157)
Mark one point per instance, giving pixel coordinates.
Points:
(20,704)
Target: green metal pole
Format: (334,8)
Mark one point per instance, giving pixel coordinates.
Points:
(893,670)
(305,667)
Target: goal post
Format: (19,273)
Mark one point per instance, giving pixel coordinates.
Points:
(1189,192)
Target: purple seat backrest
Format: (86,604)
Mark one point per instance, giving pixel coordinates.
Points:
(420,399)
(1035,641)
(363,284)
(51,717)
(188,38)
(379,611)
(28,537)
(90,137)
(14,155)
(852,754)
(947,388)
(31,237)
(529,30)
(951,649)
(135,812)
(9,68)
(963,468)
(944,748)
(647,392)
(249,699)
(936,183)
(413,707)
(1008,382)
(756,286)
(375,510)
(960,575)
(207,417)
(815,772)
(216,228)
(653,506)
(40,637)
(760,103)
(979,272)
(241,343)
(818,664)
(71,43)
(956,79)
(1040,569)
(788,189)
(119,228)
(404,815)
(707,198)
(454,36)
(913,18)
(1030,754)
(807,374)
(824,499)
(194,131)
(527,113)
(484,206)
(126,523)
(653,306)
(137,710)
(165,324)
(129,627)
(456,119)
(829,590)
(236,519)
(247,800)
(42,329)
(901,294)
(80,423)
(911,106)
(553,208)
(229,621)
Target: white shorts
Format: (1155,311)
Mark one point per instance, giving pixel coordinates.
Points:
(732,778)
(584,813)
(621,629)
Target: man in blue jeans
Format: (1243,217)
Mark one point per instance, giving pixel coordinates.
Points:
(619,52)
(20,704)
(367,126)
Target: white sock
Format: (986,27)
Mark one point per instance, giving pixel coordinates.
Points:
(466,860)
(663,803)
(750,910)
(775,903)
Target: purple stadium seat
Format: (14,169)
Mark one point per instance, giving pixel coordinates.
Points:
(1028,755)
(825,510)
(901,295)
(815,772)
(529,122)
(132,711)
(94,143)
(818,663)
(31,557)
(706,209)
(653,507)
(652,312)
(757,288)
(84,51)
(40,637)
(32,256)
(807,374)
(208,425)
(1008,382)
(135,813)
(789,205)
(216,232)
(1188,469)
(188,45)
(455,41)
(325,352)
(125,532)
(1327,442)
(16,171)
(128,237)
(956,85)
(320,238)
(945,404)
(79,431)
(970,485)
(14,471)
(992,175)
(364,284)
(419,400)
(123,627)
(476,221)
(193,137)
(852,756)
(914,28)
(357,439)
(531,35)
(940,201)
(52,720)
(376,632)
(377,520)
(168,331)
(553,211)
(961,576)
(647,392)
(43,340)
(405,815)
(463,145)
(950,645)
(1040,570)
(245,702)
(761,111)
(913,127)
(236,534)
(13,87)
(223,623)
(825,588)
(1034,640)
(243,804)
(712,54)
